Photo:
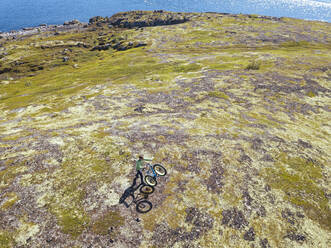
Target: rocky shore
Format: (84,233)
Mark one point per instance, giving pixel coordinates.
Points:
(133,19)
(28,31)
(123,20)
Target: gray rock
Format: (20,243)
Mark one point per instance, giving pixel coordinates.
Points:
(296,237)
(72,22)
(289,216)
(139,109)
(249,235)
(101,47)
(264,243)
(28,28)
(234,218)
(304,144)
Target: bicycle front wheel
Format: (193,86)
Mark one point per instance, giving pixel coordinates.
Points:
(160,170)
(150,180)
(144,206)
(146,189)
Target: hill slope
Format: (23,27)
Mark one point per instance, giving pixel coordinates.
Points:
(236,107)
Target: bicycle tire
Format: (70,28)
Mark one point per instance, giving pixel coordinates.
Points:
(144,206)
(146,189)
(150,180)
(160,170)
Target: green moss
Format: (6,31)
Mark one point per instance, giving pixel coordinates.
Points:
(307,168)
(100,166)
(110,219)
(186,68)
(253,66)
(12,199)
(295,44)
(230,195)
(204,38)
(73,222)
(6,239)
(299,182)
(218,94)
(233,59)
(52,86)
(262,119)
(69,183)
(311,94)
(8,175)
(16,136)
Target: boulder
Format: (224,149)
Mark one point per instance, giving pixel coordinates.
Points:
(101,47)
(72,22)
(28,28)
(4,70)
(122,46)
(97,19)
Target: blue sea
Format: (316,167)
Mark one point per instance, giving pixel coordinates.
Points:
(16,14)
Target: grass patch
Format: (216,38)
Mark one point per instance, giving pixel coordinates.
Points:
(311,94)
(65,81)
(8,175)
(70,182)
(111,219)
(298,179)
(218,94)
(12,199)
(6,239)
(263,119)
(73,222)
(185,68)
(253,66)
(290,44)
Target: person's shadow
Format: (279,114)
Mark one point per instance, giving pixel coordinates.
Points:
(142,204)
(129,192)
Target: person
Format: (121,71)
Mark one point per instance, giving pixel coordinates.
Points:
(140,165)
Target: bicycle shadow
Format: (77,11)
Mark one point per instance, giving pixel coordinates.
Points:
(129,197)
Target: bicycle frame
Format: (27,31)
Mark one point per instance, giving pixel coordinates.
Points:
(151,171)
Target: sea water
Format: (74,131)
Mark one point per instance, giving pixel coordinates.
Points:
(16,14)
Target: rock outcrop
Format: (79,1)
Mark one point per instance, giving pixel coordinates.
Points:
(138,19)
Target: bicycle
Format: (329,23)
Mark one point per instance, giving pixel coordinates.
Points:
(153,172)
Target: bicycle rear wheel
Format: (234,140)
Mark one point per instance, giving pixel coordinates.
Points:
(150,180)
(160,170)
(144,206)
(146,189)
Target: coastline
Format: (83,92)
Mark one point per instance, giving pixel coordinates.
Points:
(73,24)
(27,31)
